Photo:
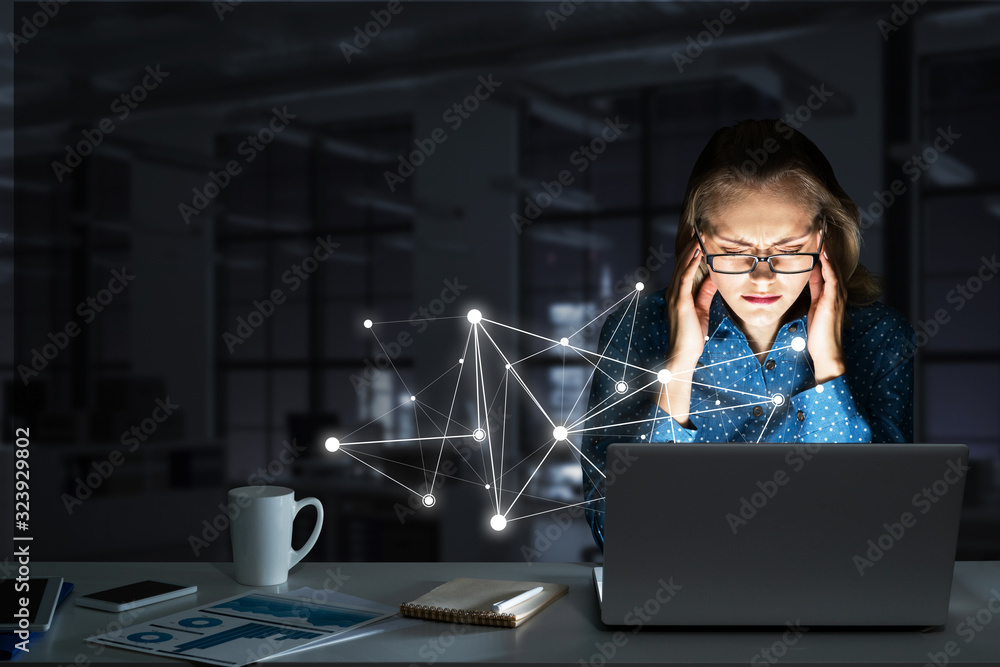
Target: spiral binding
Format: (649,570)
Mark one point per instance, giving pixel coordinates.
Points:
(496,619)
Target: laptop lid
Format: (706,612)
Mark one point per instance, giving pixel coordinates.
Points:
(770,534)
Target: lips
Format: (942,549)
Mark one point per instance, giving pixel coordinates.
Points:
(761,300)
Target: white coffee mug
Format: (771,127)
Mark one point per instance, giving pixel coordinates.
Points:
(262,533)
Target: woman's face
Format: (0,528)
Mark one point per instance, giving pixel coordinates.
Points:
(761,224)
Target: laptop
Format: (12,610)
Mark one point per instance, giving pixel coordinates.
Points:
(770,534)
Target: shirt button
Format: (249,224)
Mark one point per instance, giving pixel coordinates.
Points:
(793,328)
(769,365)
(757,411)
(800,416)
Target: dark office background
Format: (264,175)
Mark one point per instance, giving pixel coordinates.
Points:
(311,369)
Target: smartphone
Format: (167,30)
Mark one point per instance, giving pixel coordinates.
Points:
(40,595)
(134,595)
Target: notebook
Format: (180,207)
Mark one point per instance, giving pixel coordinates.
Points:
(467,600)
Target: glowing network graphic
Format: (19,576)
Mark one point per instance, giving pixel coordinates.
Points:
(495,455)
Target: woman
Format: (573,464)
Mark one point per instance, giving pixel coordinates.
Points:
(769,331)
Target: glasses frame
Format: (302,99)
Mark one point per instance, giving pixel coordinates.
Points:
(709,259)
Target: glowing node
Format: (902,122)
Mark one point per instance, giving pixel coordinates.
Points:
(798,343)
(461,361)
(664,376)
(777,399)
(487,487)
(332,444)
(564,341)
(507,366)
(707,339)
(642,437)
(819,389)
(718,402)
(413,398)
(498,522)
(560,433)
(479,435)
(639,287)
(475,316)
(428,500)
(368,324)
(621,387)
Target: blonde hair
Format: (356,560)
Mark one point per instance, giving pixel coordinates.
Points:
(769,156)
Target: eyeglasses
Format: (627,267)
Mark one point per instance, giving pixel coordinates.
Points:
(798,262)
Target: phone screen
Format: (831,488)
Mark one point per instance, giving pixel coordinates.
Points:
(9,598)
(133,592)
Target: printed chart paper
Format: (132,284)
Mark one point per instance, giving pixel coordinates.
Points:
(244,629)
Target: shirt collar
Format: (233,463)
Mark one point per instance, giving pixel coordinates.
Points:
(719,320)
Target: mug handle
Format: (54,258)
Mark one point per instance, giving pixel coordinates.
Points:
(297,555)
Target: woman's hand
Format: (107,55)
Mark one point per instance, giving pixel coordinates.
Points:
(826,317)
(687,317)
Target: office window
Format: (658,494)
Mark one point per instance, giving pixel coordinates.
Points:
(959,369)
(308,191)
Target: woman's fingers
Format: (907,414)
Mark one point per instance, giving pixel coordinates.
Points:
(816,282)
(683,274)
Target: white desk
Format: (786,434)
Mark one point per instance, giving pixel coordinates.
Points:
(568,633)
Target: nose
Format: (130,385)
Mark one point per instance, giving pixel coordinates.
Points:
(762,271)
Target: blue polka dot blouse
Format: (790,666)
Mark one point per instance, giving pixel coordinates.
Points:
(736,398)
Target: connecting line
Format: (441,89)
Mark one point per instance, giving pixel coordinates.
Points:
(435,380)
(628,348)
(731,407)
(394,369)
(623,398)
(489,439)
(555,509)
(422,319)
(596,366)
(519,463)
(618,326)
(582,392)
(535,354)
(444,436)
(608,310)
(438,412)
(518,377)
(475,375)
(637,421)
(610,359)
(503,439)
(474,471)
(746,356)
(562,390)
(586,415)
(584,456)
(375,420)
(673,429)
(764,430)
(379,472)
(736,430)
(511,506)
(383,442)
(449,442)
(579,349)
(416,425)
(765,399)
(526,333)
(410,465)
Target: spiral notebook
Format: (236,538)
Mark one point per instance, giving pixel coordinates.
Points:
(467,600)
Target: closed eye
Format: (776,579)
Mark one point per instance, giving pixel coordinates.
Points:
(778,251)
